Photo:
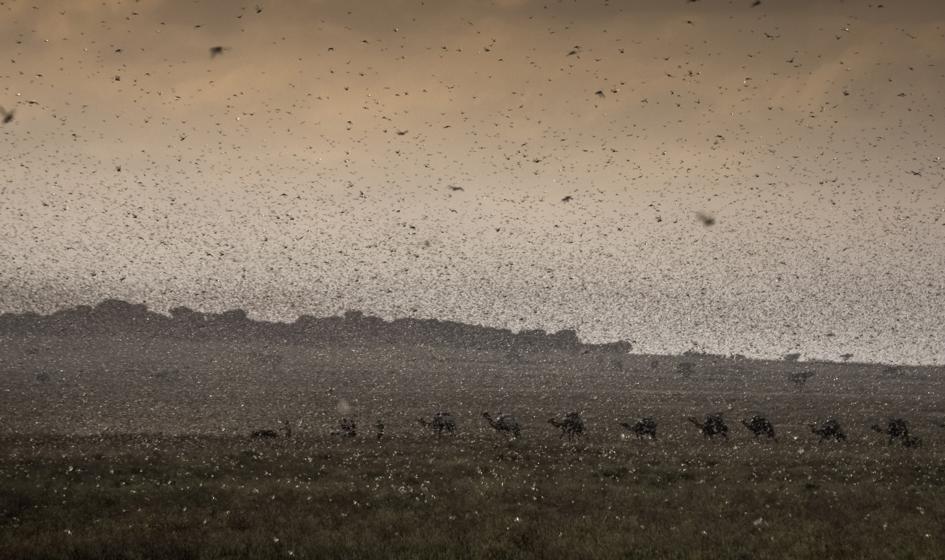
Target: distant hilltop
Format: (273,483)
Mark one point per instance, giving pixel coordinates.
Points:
(116,318)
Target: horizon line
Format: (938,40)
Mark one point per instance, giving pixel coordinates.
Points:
(345,315)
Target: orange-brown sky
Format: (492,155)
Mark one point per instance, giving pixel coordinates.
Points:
(307,168)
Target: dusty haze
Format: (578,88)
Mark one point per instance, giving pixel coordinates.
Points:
(307,168)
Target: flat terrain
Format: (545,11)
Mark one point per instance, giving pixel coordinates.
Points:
(140,449)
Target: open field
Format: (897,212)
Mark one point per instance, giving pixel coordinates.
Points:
(139,449)
(465,497)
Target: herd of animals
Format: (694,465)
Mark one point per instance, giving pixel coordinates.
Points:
(571,425)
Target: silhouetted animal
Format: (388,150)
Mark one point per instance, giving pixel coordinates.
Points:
(896,429)
(7,115)
(504,423)
(644,427)
(760,426)
(830,429)
(571,425)
(264,434)
(272,434)
(713,425)
(346,428)
(441,422)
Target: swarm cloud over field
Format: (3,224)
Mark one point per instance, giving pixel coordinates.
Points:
(307,168)
(557,279)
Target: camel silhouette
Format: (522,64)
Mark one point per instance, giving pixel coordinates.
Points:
(570,425)
(504,423)
(441,422)
(643,427)
(713,425)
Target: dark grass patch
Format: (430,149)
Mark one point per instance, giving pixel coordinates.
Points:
(418,498)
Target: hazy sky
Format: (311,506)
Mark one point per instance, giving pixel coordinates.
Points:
(308,168)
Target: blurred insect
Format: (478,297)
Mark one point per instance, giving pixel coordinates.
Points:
(706,219)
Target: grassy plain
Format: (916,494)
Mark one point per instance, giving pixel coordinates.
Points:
(140,449)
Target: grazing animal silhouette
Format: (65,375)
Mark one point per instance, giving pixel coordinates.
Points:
(571,425)
(441,422)
(643,427)
(760,426)
(898,430)
(713,425)
(830,429)
(272,434)
(504,423)
(346,428)
(264,434)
